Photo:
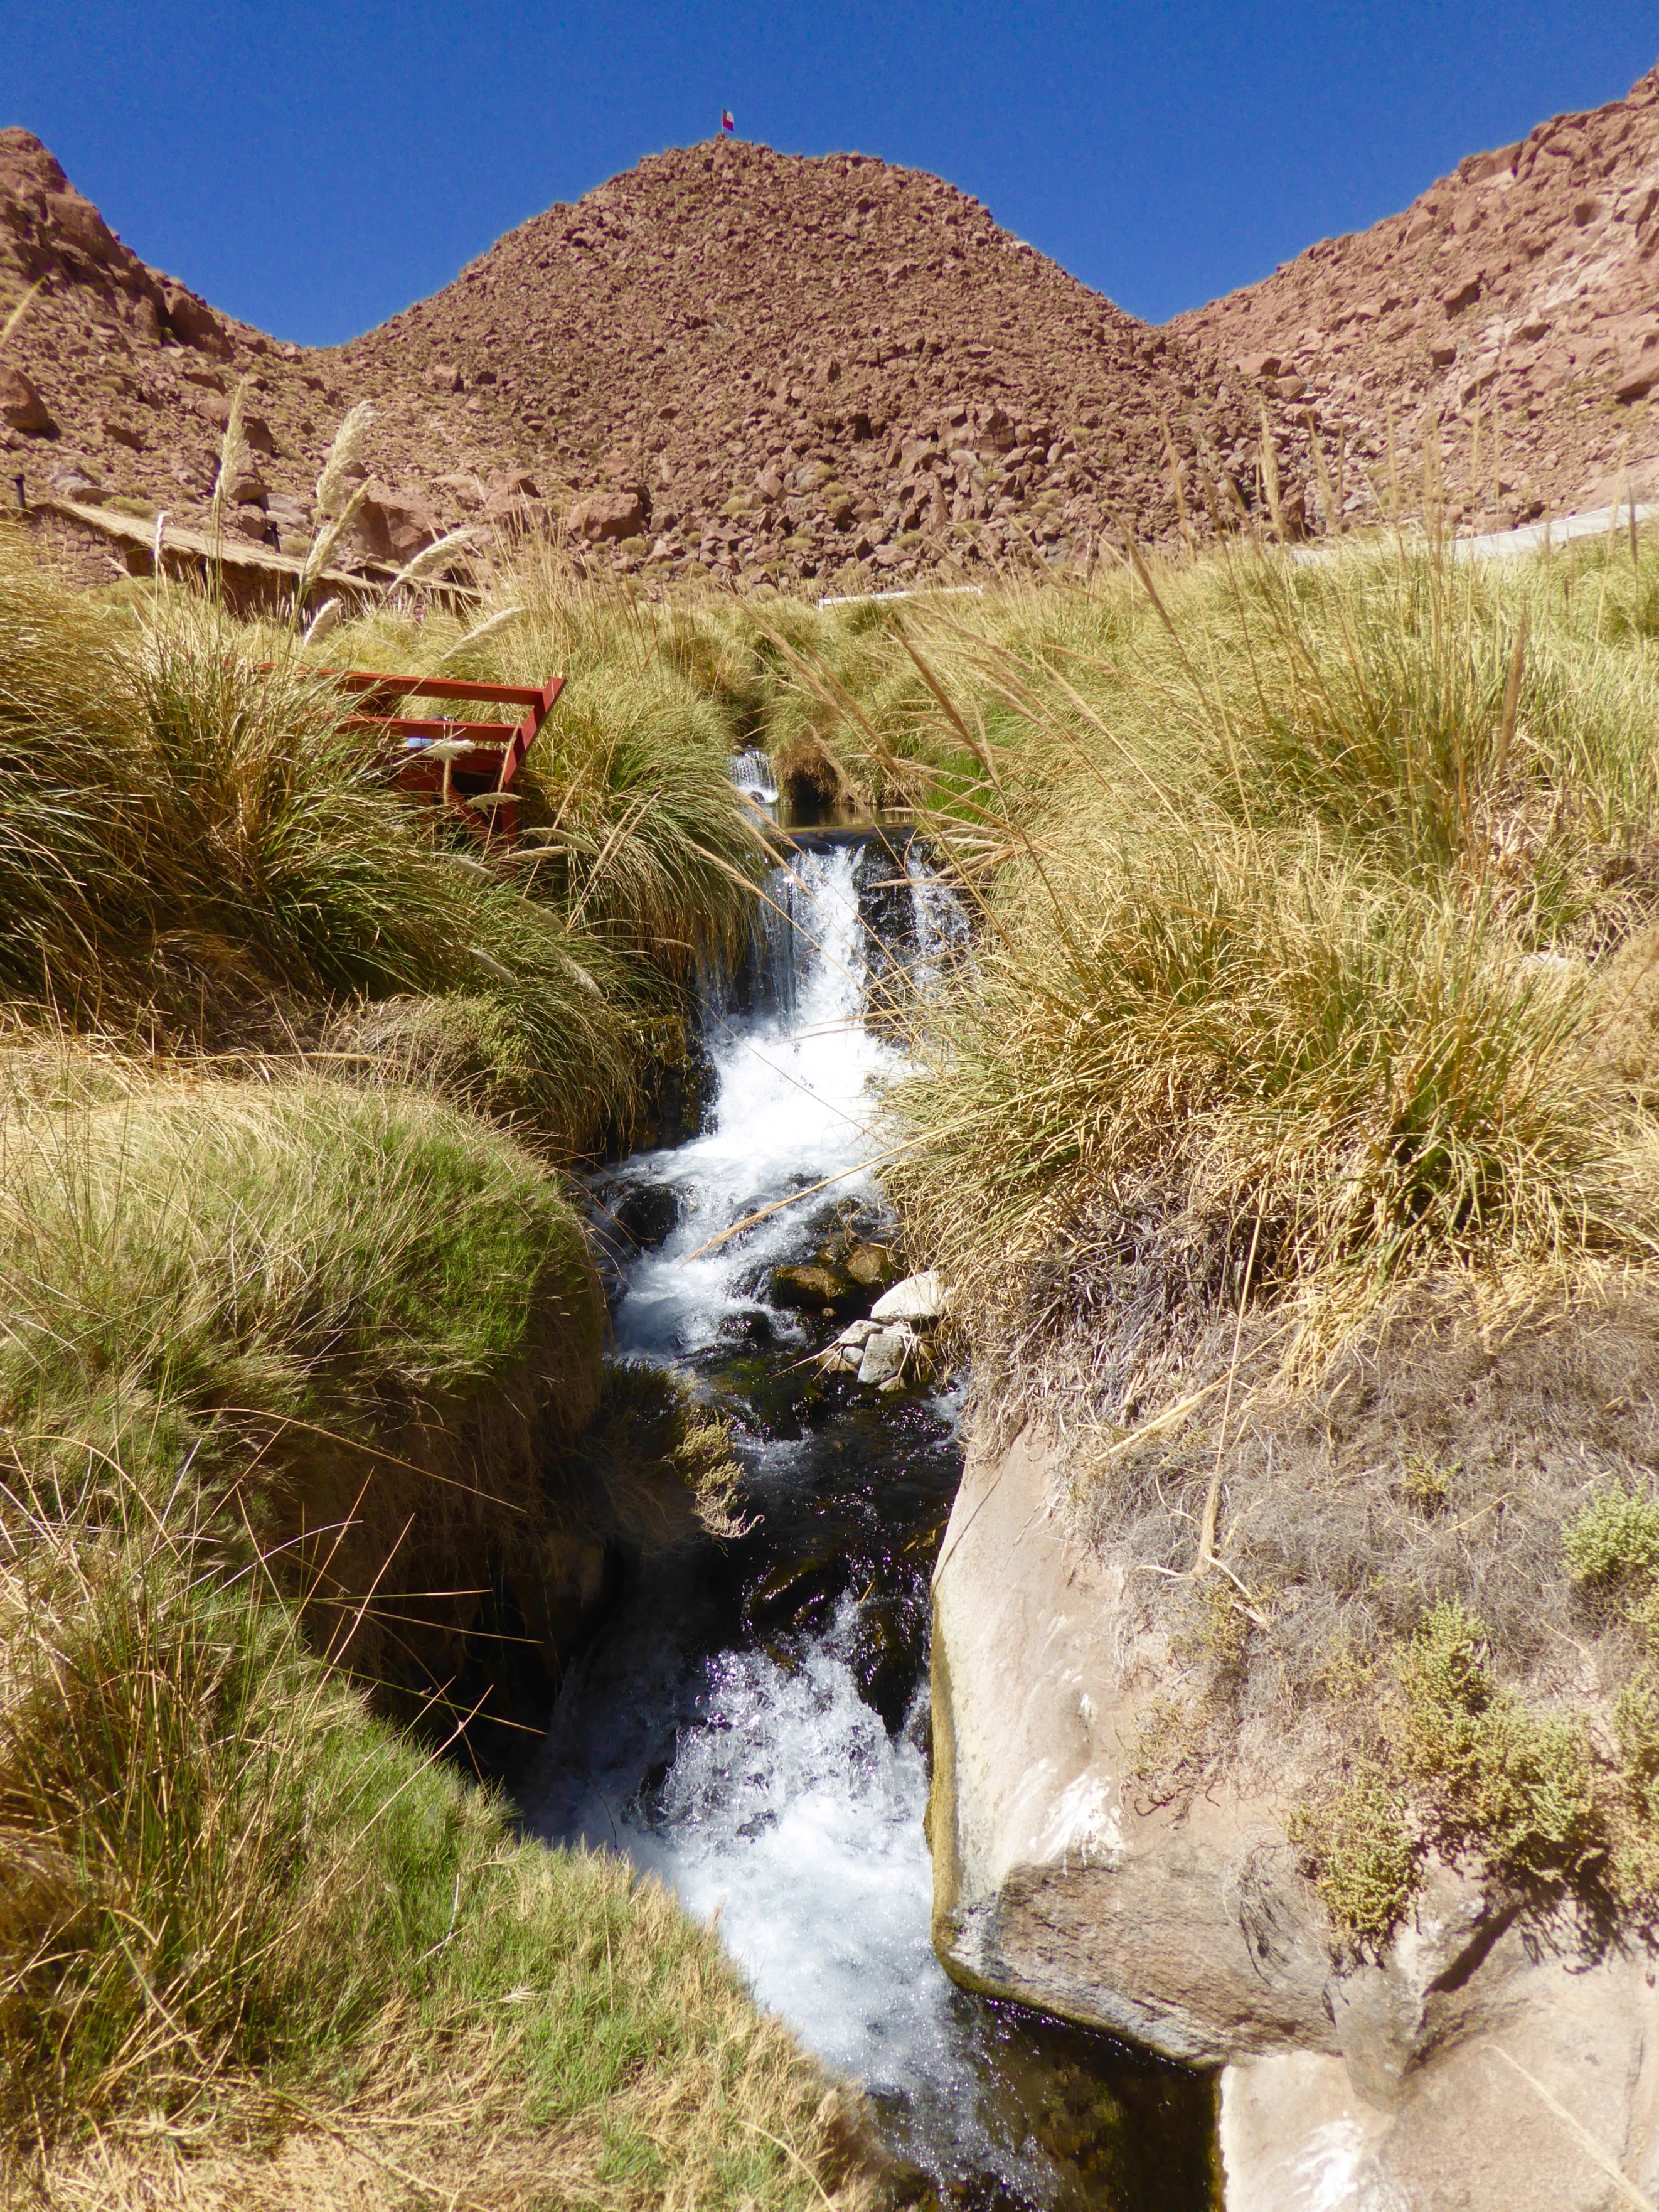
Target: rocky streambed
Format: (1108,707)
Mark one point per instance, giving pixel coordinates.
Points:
(752,1722)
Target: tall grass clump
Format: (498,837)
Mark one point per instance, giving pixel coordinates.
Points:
(190,839)
(1291,951)
(353,1325)
(292,1376)
(242,1924)
(1239,1041)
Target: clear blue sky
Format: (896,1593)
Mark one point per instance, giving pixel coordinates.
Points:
(314,164)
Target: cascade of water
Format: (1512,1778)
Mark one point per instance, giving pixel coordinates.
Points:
(793,1108)
(738,1749)
(751,771)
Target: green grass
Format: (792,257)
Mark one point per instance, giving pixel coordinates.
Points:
(362,1320)
(192,844)
(237,1913)
(291,1375)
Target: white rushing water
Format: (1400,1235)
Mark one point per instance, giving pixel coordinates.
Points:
(764,1789)
(793,1107)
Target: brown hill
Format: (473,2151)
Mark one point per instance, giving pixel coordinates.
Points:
(726,360)
(770,365)
(736,362)
(1520,295)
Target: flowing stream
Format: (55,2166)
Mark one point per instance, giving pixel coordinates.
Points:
(751,1721)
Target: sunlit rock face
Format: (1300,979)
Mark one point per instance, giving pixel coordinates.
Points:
(1478,2063)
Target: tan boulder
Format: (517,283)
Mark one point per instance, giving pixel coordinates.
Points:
(1479,2065)
(78,224)
(193,323)
(21,405)
(392,524)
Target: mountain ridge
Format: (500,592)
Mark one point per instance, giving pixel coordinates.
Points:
(774,369)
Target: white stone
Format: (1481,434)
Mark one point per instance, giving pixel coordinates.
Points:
(884,1355)
(918,1297)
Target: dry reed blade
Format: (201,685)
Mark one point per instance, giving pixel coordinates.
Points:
(1270,483)
(1512,700)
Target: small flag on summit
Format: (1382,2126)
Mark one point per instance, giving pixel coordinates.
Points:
(727,124)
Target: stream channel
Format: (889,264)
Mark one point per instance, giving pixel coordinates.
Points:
(751,1721)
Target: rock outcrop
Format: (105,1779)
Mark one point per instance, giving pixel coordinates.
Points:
(1480,2064)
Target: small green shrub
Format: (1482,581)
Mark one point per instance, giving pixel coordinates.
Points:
(1517,1787)
(1615,1537)
(1366,1861)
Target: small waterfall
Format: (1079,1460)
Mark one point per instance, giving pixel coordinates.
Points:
(751,771)
(751,1725)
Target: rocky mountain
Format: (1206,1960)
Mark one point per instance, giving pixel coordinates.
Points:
(1512,309)
(727,360)
(735,362)
(771,366)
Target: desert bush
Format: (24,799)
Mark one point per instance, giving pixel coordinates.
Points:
(1615,1537)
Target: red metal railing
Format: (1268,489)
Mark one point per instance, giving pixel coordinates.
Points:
(459,763)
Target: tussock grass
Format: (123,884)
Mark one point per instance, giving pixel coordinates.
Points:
(190,842)
(1297,879)
(251,1941)
(361,1322)
(1288,1140)
(287,1373)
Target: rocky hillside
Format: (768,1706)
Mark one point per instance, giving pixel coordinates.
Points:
(767,365)
(1514,307)
(737,363)
(726,360)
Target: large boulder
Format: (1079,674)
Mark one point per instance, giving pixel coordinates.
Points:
(390,524)
(193,323)
(1474,2065)
(607,517)
(21,405)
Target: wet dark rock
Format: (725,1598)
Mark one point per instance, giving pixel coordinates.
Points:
(795,1592)
(814,1286)
(751,1328)
(887,1654)
(647,1213)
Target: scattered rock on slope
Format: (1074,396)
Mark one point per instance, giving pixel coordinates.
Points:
(740,363)
(771,367)
(727,361)
(1520,292)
